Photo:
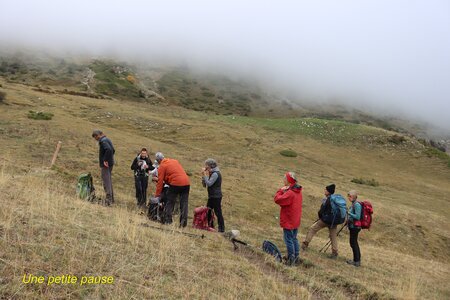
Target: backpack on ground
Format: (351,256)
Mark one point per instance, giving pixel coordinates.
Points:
(272,249)
(338,209)
(366,215)
(201,218)
(155,210)
(85,187)
(156,207)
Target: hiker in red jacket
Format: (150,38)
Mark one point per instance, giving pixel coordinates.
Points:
(289,198)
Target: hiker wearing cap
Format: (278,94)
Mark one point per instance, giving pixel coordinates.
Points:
(106,161)
(141,166)
(212,179)
(172,173)
(289,198)
(322,222)
(354,226)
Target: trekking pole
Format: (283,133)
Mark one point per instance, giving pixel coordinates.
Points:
(328,244)
(174,231)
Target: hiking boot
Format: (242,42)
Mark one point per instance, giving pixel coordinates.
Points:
(333,255)
(298,261)
(288,261)
(354,263)
(305,245)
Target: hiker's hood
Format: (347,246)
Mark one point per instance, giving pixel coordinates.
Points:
(216,169)
(296,188)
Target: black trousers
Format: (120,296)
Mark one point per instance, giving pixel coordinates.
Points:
(172,193)
(141,184)
(216,205)
(354,243)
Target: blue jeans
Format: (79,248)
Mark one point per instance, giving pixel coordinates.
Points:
(290,239)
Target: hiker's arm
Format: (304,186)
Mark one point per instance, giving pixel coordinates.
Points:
(150,165)
(283,198)
(160,184)
(322,208)
(211,180)
(108,151)
(357,214)
(134,164)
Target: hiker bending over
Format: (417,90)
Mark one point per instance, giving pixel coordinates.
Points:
(172,173)
(354,226)
(324,221)
(289,198)
(106,161)
(141,166)
(212,179)
(156,207)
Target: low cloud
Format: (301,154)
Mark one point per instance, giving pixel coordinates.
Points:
(388,56)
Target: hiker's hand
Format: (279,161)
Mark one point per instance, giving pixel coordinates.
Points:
(106,164)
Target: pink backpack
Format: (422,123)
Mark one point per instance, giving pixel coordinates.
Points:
(201,218)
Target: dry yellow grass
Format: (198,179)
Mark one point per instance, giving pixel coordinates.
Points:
(45,230)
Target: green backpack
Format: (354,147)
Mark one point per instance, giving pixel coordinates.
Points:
(85,187)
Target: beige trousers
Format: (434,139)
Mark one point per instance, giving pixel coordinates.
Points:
(318,226)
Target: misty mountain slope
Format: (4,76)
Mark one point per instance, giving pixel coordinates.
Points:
(213,93)
(404,255)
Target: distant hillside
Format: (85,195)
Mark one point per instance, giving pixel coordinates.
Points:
(211,93)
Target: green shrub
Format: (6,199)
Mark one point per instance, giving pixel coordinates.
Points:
(288,153)
(39,115)
(371,182)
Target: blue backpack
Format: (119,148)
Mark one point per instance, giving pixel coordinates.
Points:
(272,249)
(338,209)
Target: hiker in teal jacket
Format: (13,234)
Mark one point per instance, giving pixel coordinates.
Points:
(354,226)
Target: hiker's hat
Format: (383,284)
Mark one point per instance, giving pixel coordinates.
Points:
(331,188)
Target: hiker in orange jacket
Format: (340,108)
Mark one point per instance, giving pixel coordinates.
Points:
(172,173)
(290,199)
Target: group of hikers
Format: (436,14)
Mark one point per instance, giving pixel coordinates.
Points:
(172,183)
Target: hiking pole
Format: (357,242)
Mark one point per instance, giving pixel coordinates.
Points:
(174,231)
(328,244)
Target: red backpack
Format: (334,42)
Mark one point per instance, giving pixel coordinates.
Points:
(366,215)
(201,218)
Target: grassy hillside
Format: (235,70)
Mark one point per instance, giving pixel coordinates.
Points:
(200,91)
(45,230)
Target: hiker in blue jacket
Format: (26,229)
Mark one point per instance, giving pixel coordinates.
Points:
(354,226)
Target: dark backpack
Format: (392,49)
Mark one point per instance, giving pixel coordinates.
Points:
(201,218)
(85,187)
(366,215)
(272,249)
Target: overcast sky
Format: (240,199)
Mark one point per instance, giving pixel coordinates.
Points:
(388,54)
